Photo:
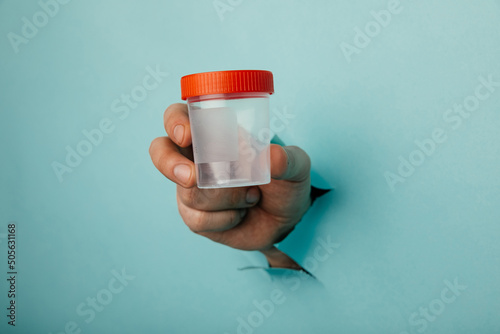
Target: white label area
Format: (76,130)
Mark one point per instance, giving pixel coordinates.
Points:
(215,134)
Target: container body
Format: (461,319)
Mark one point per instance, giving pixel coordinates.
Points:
(231,138)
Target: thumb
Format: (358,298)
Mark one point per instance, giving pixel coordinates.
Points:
(289,163)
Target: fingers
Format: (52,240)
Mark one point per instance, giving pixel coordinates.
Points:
(176,122)
(289,163)
(206,221)
(170,162)
(218,199)
(254,232)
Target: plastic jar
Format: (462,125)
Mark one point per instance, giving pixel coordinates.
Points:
(229,117)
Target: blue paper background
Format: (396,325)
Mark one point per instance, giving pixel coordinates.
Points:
(394,249)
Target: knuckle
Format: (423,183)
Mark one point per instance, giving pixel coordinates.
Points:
(171,110)
(192,222)
(235,217)
(183,195)
(180,207)
(197,222)
(159,157)
(162,163)
(207,196)
(234,198)
(153,145)
(167,115)
(211,194)
(195,199)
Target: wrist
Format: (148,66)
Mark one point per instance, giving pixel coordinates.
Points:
(278,259)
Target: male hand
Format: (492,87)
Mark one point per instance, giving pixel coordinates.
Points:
(247,218)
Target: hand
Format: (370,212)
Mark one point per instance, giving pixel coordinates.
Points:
(247,218)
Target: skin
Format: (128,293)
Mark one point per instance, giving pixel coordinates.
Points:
(246,218)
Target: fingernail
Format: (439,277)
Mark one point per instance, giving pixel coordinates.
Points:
(182,173)
(179,133)
(253,195)
(243,213)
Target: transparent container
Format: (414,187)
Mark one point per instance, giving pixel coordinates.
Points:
(231,139)
(230,131)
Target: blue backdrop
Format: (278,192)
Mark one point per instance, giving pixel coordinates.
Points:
(396,102)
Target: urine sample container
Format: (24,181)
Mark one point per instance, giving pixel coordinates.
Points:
(229,117)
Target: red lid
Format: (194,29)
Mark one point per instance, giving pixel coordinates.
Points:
(224,82)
